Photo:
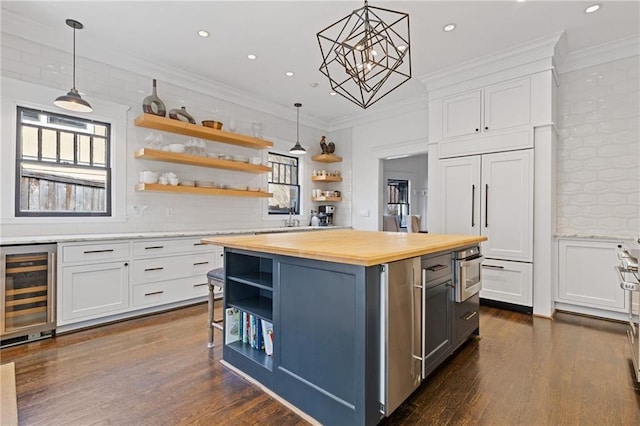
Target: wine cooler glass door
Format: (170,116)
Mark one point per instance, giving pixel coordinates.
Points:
(27,277)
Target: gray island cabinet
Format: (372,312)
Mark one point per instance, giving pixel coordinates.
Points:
(337,352)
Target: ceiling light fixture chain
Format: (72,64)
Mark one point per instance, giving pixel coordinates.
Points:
(362,52)
(72,101)
(297,148)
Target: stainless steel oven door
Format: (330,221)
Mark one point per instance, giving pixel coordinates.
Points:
(467,278)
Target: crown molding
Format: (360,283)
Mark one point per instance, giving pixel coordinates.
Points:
(526,57)
(22,27)
(606,52)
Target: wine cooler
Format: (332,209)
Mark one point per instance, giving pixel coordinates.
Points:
(27,308)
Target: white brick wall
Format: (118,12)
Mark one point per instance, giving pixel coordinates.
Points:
(599,150)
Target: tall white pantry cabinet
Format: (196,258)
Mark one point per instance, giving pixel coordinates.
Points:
(491,170)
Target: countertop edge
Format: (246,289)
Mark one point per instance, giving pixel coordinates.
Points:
(355,259)
(52,239)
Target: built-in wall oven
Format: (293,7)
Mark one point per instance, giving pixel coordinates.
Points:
(467,265)
(27,293)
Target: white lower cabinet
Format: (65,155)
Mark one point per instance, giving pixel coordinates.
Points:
(103,281)
(89,291)
(506,281)
(586,275)
(169,291)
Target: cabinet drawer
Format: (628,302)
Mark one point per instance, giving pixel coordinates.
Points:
(465,318)
(161,247)
(436,267)
(509,282)
(95,252)
(168,268)
(169,291)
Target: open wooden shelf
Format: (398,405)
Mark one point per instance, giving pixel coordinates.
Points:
(327,158)
(326,178)
(201,191)
(326,199)
(182,128)
(196,160)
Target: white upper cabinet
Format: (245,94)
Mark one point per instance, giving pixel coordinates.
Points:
(461,114)
(507,105)
(497,107)
(490,195)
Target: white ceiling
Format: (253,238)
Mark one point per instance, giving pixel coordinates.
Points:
(283,35)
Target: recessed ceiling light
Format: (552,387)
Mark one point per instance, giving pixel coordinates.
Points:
(252,56)
(203,33)
(449,27)
(314,85)
(289,73)
(333,93)
(593,8)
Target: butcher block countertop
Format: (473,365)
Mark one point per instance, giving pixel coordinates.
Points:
(365,248)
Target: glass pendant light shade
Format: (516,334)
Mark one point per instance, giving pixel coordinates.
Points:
(72,101)
(297,149)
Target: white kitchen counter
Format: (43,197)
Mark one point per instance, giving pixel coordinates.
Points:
(37,239)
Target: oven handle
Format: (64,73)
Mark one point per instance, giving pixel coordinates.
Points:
(470,262)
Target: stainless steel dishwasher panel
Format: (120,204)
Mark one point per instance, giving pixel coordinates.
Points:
(401,350)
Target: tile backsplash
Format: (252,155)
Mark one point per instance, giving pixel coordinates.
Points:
(599,150)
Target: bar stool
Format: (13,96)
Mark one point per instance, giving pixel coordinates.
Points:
(215,279)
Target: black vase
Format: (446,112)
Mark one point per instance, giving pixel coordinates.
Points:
(153,100)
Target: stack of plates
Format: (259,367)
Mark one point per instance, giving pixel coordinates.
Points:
(186,183)
(205,184)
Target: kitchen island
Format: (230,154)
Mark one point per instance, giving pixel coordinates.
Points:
(324,297)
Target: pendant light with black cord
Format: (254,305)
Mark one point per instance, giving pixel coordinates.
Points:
(297,149)
(72,101)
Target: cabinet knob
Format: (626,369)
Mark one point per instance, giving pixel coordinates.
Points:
(486,127)
(126,263)
(477,130)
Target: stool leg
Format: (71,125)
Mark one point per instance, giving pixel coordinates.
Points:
(210,316)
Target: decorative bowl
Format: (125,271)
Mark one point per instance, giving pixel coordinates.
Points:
(213,124)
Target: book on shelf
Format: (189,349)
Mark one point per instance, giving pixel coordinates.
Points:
(267,334)
(232,325)
(249,329)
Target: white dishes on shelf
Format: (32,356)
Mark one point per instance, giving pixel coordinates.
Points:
(176,147)
(187,183)
(148,177)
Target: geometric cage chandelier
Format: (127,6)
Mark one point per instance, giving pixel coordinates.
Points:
(366,55)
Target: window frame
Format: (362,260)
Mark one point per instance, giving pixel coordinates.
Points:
(298,186)
(19,161)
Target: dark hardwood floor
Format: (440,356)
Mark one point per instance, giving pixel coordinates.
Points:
(157,370)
